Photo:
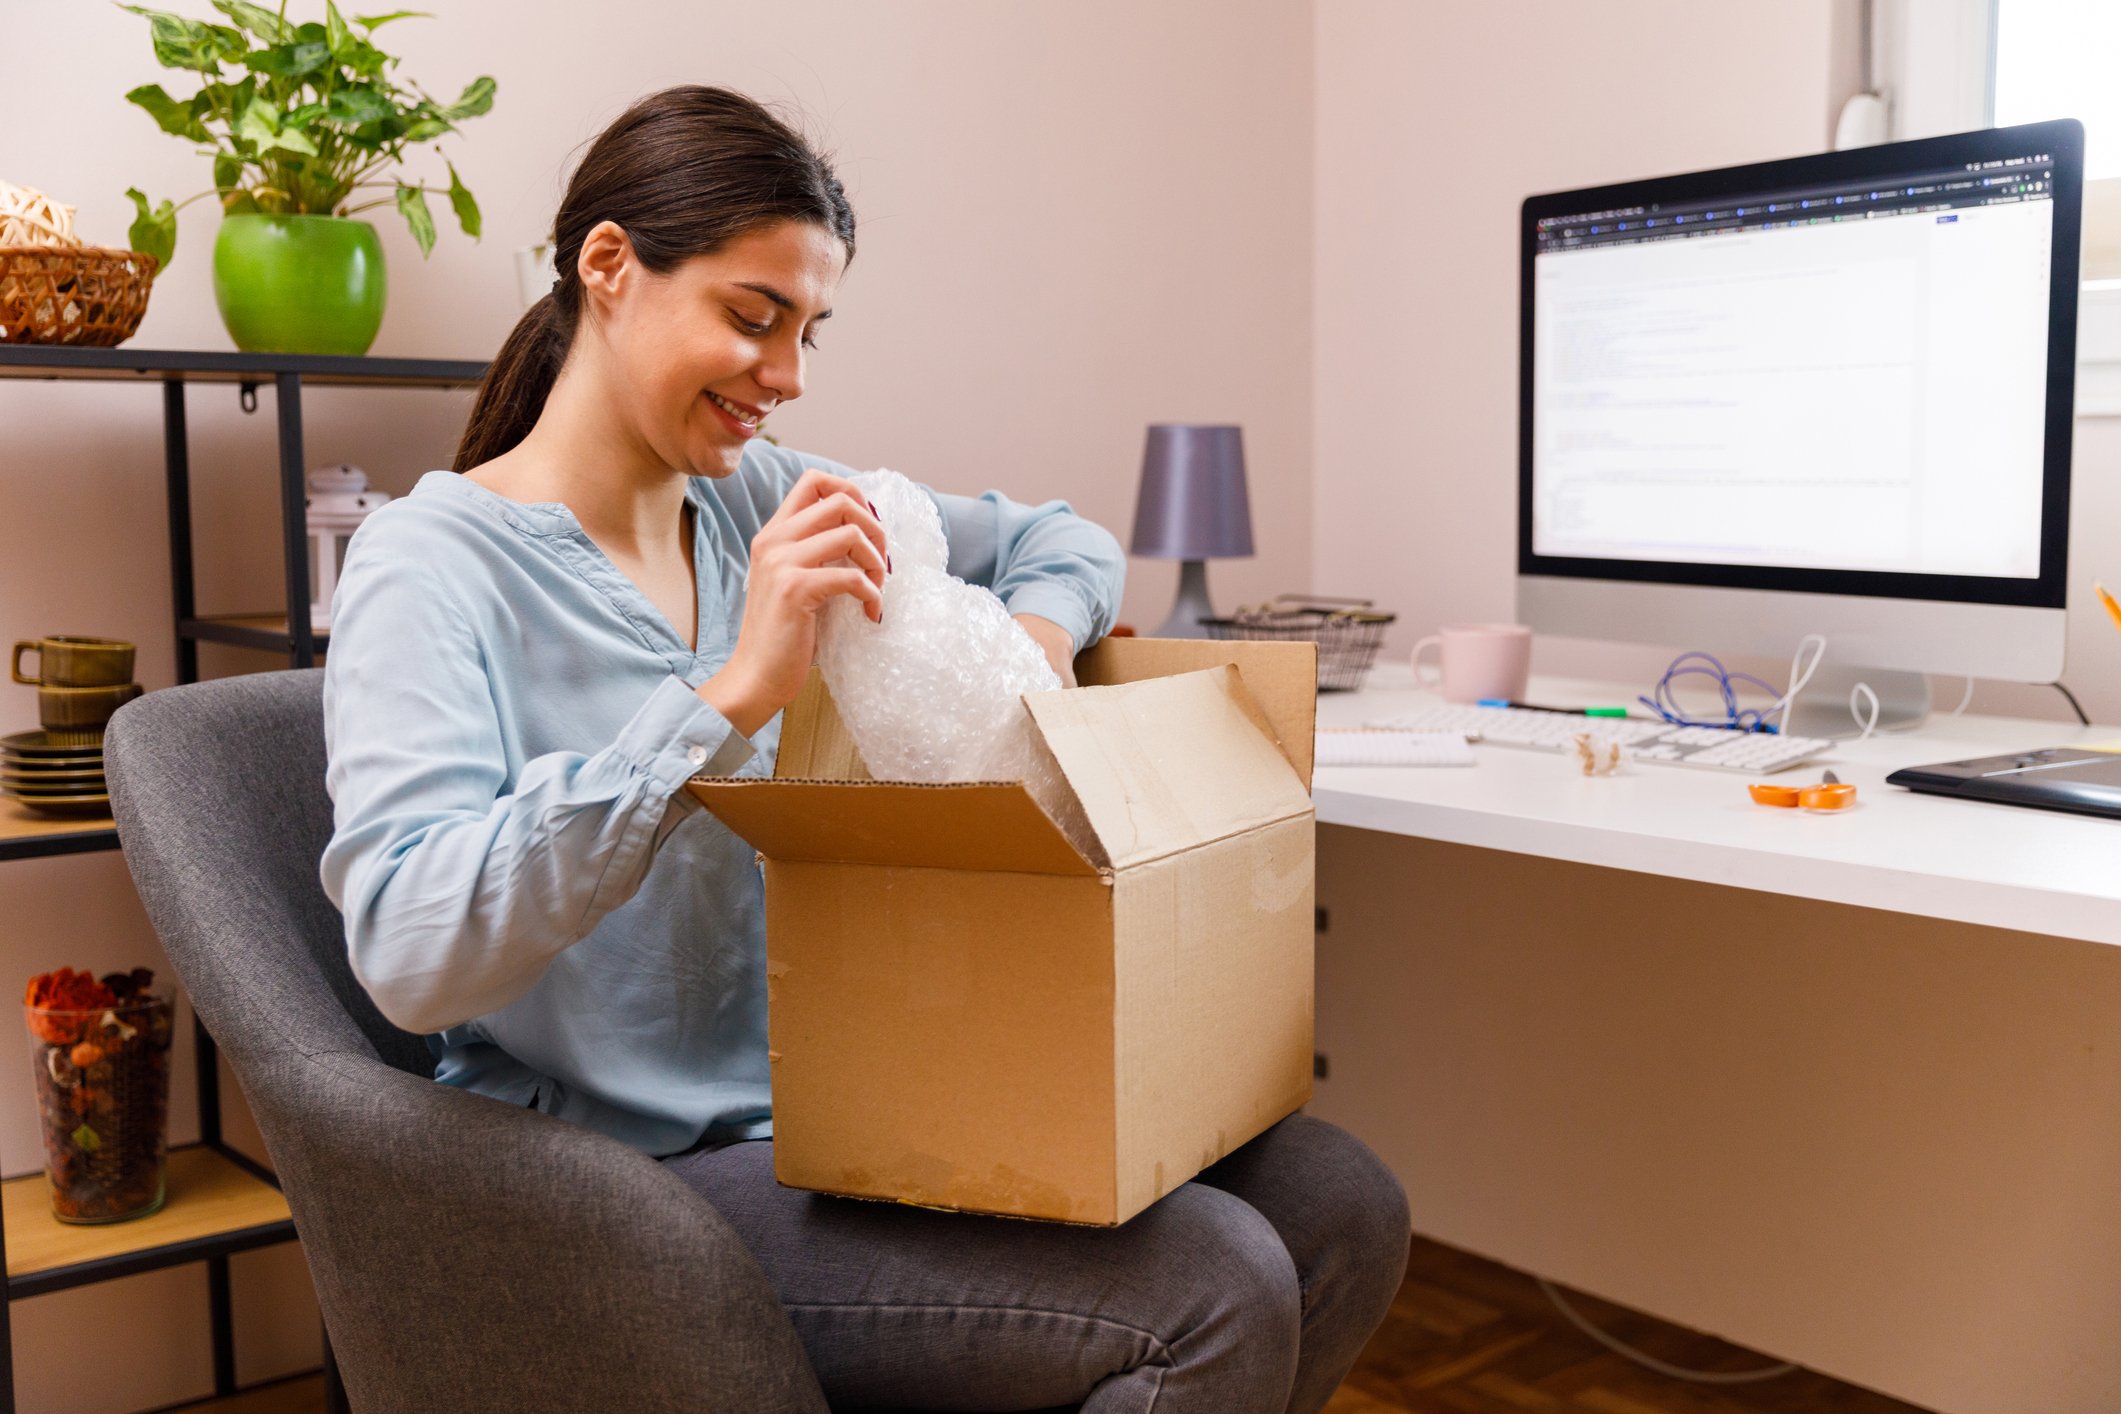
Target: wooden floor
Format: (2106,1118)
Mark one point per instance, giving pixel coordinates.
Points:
(304,1394)
(1468,1336)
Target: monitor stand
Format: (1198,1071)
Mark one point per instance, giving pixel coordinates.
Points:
(1822,709)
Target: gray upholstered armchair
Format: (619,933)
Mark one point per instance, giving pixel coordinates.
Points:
(467,1254)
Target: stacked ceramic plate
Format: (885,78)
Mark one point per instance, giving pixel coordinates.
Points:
(52,779)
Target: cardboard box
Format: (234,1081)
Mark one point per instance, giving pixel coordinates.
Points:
(975,1005)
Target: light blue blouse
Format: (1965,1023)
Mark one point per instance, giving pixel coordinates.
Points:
(509,720)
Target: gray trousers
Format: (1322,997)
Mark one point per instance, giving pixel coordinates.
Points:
(1250,1290)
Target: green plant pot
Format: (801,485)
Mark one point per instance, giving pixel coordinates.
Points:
(299,284)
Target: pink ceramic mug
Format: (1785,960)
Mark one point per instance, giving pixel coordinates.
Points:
(1478,661)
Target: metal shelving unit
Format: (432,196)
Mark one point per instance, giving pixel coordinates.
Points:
(221,1201)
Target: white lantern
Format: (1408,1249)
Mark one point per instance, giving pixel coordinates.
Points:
(339,500)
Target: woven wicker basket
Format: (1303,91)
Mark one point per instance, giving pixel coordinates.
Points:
(84,295)
(1347,631)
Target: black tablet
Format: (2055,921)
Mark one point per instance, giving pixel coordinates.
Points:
(2056,778)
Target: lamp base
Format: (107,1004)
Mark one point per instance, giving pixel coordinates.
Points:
(1193,604)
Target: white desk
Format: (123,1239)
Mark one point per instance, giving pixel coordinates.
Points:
(1845,1088)
(1965,861)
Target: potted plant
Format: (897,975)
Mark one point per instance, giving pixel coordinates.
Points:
(306,127)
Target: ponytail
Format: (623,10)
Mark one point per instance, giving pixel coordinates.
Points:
(683,172)
(517,382)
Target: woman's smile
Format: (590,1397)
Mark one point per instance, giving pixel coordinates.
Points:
(740,419)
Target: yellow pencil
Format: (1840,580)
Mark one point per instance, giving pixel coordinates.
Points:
(2113,610)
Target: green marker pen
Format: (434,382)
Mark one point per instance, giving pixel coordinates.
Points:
(1563,711)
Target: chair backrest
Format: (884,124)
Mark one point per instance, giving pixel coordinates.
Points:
(401,1187)
(218,789)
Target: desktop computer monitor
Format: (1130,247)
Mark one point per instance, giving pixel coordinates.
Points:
(1825,395)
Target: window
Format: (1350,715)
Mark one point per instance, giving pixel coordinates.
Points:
(2059,59)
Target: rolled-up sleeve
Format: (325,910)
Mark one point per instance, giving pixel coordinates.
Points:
(457,885)
(1044,559)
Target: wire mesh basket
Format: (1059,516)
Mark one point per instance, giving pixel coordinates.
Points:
(1348,633)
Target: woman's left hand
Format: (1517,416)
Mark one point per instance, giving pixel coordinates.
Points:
(1060,648)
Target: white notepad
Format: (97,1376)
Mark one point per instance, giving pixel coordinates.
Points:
(1379,746)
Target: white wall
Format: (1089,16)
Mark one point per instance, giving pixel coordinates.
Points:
(1435,121)
(1077,217)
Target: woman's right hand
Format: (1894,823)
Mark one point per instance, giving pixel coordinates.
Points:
(825,540)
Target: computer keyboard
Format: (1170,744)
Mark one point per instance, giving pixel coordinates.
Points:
(1641,738)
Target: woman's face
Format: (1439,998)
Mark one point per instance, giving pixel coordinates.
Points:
(706,352)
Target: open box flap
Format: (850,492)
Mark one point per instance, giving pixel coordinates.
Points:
(984,825)
(815,743)
(1282,677)
(1166,763)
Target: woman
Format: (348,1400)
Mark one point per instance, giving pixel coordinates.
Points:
(617,588)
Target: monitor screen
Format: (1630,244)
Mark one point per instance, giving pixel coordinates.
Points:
(1847,373)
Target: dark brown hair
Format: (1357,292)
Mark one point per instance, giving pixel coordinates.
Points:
(683,172)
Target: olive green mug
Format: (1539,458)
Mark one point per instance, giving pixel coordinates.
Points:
(76,709)
(66,660)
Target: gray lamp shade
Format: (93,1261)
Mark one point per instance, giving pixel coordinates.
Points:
(1192,504)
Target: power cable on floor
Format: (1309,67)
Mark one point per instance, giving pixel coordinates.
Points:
(1651,1362)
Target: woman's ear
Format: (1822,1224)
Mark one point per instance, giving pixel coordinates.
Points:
(607,266)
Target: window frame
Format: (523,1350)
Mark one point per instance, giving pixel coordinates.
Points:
(1936,64)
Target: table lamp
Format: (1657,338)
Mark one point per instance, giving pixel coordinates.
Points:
(1193,509)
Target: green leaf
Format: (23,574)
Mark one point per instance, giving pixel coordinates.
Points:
(228,97)
(373,137)
(174,117)
(426,128)
(86,1139)
(239,203)
(255,125)
(267,131)
(412,205)
(359,104)
(300,118)
(477,98)
(258,20)
(460,201)
(364,60)
(293,139)
(336,34)
(228,174)
(289,61)
(372,23)
(185,44)
(153,232)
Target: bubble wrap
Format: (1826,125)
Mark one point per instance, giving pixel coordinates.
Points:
(933,692)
